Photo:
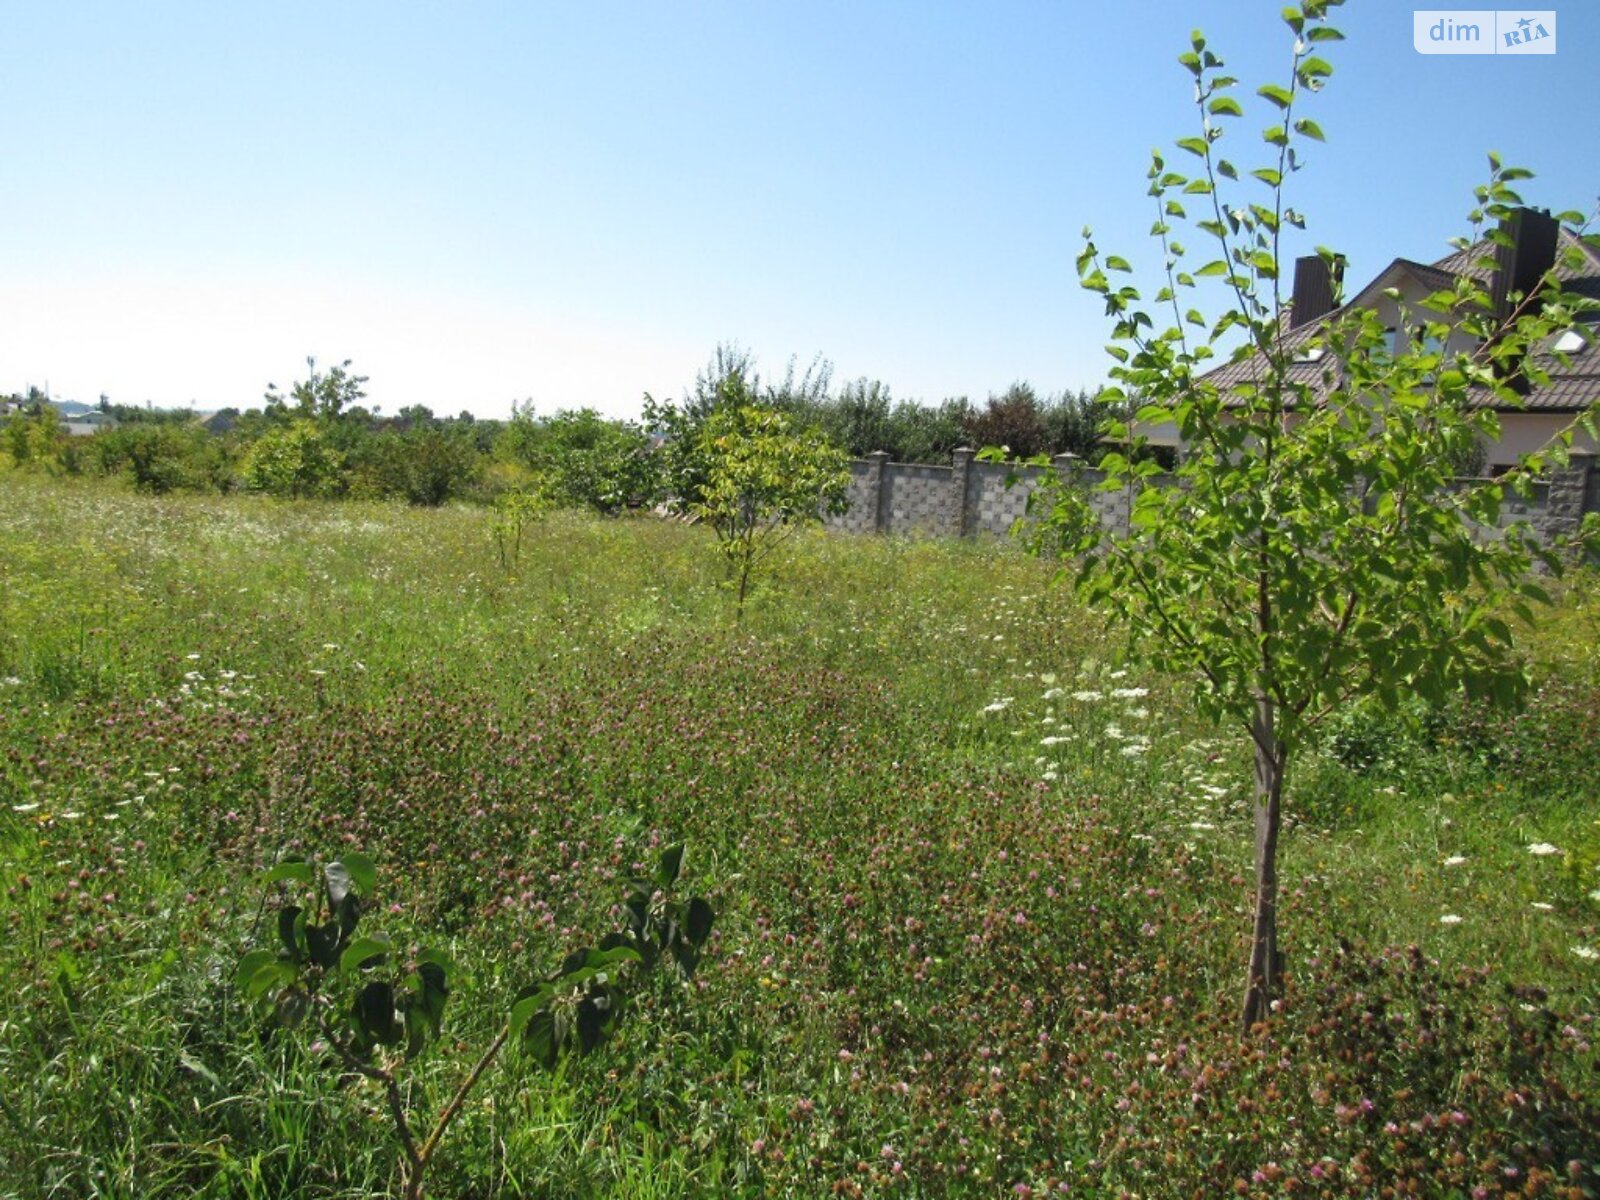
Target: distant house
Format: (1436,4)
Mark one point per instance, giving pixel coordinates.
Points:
(87,423)
(1537,242)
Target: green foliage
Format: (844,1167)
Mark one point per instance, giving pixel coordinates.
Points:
(1310,548)
(34,438)
(377,1010)
(320,396)
(162,456)
(427,465)
(297,460)
(763,479)
(504,741)
(1012,420)
(584,460)
(514,511)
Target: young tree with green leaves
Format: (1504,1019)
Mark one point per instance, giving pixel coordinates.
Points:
(379,1008)
(763,478)
(1312,547)
(321,395)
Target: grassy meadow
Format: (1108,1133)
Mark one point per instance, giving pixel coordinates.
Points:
(982,892)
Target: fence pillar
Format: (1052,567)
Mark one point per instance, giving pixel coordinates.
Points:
(960,521)
(1568,496)
(875,497)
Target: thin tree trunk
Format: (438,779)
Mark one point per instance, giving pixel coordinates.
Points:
(1266,964)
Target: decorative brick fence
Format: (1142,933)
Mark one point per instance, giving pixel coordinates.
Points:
(970,497)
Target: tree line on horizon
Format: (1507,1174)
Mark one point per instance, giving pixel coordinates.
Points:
(319,439)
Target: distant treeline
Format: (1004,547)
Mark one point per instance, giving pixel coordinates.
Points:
(320,440)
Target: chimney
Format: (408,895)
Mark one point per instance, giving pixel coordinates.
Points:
(1315,282)
(1531,252)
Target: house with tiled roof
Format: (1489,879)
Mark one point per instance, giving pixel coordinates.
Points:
(1396,294)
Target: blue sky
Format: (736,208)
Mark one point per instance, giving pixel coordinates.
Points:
(573,204)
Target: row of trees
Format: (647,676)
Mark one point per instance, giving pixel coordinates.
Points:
(319,439)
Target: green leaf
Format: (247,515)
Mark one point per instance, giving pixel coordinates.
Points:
(541,1038)
(1212,269)
(698,921)
(524,1009)
(1268,176)
(291,921)
(1194,145)
(1281,96)
(366,951)
(374,1013)
(322,943)
(435,992)
(293,870)
(1306,127)
(361,871)
(1225,106)
(251,963)
(273,974)
(593,1017)
(669,866)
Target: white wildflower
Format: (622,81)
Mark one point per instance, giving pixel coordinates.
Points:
(1087,697)
(1455,860)
(1450,919)
(24,808)
(1543,907)
(1588,952)
(1543,850)
(1133,693)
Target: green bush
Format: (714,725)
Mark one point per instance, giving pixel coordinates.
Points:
(295,460)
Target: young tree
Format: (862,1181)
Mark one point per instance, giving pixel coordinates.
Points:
(1312,547)
(323,396)
(764,478)
(1011,419)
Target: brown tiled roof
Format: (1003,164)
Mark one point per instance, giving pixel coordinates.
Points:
(1571,387)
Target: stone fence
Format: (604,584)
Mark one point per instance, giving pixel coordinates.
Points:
(969,497)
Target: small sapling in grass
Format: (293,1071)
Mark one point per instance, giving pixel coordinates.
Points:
(379,1010)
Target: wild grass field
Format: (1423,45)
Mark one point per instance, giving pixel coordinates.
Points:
(982,893)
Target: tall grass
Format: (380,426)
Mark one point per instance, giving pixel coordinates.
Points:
(982,891)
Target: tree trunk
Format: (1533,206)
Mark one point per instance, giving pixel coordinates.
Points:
(744,588)
(1266,964)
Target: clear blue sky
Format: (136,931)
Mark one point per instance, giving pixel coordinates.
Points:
(573,203)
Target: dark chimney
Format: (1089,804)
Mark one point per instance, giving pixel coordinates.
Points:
(1518,266)
(1315,282)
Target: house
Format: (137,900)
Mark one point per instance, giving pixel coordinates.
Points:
(1538,242)
(85,424)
